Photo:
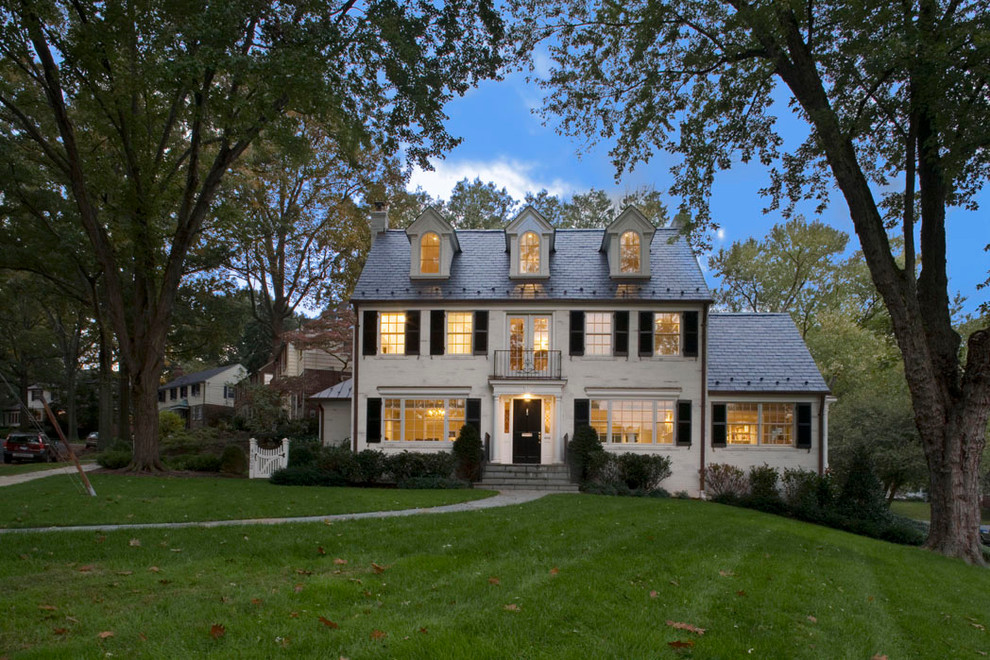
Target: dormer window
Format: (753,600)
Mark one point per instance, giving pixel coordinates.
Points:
(429,253)
(529,254)
(629,253)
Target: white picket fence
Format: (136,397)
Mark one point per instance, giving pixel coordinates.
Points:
(265,461)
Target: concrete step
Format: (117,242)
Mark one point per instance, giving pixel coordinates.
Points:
(528,477)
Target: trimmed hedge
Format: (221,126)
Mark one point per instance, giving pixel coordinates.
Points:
(114,459)
(339,466)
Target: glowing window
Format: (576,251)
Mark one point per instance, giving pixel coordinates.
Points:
(393,333)
(413,420)
(667,334)
(778,424)
(633,422)
(429,253)
(598,333)
(599,419)
(529,253)
(459,333)
(742,423)
(629,252)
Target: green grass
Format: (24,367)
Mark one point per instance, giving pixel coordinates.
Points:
(60,500)
(10,469)
(923,511)
(587,576)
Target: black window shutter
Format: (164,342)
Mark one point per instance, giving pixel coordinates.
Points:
(472,415)
(437,329)
(481,333)
(370,333)
(684,423)
(690,320)
(577,333)
(804,426)
(719,428)
(412,332)
(621,334)
(582,413)
(374,430)
(646,333)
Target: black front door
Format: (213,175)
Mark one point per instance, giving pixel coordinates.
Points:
(526,425)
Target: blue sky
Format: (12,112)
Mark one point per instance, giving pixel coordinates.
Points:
(506,143)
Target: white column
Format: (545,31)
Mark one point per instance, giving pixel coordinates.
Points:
(496,425)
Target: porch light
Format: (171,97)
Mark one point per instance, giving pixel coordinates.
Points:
(527,397)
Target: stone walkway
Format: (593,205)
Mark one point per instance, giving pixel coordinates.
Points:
(14,479)
(504,498)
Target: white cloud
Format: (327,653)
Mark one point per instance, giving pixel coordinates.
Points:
(518,177)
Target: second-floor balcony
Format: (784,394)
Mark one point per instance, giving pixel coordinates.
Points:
(527,365)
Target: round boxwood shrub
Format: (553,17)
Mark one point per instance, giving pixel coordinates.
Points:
(468,454)
(583,453)
(114,459)
(233,460)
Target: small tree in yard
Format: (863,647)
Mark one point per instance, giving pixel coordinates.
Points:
(468,454)
(583,452)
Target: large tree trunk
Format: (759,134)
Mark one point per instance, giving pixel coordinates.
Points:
(145,390)
(124,404)
(71,425)
(105,423)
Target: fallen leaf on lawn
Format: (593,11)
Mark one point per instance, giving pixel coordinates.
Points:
(154,569)
(367,594)
(678,644)
(256,601)
(328,623)
(512,607)
(217,631)
(164,582)
(87,568)
(685,626)
(134,543)
(978,626)
(105,634)
(377,568)
(72,619)
(869,599)
(494,580)
(293,615)
(726,573)
(675,583)
(423,630)
(378,634)
(356,581)
(298,588)
(653,594)
(125,572)
(101,539)
(877,656)
(554,571)
(740,593)
(812,619)
(175,549)
(339,561)
(320,550)
(303,571)
(50,608)
(61,631)
(142,637)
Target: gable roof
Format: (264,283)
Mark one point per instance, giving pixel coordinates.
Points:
(341,390)
(200,376)
(757,352)
(578,271)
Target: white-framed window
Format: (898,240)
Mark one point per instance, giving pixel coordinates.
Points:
(228,391)
(629,252)
(760,424)
(529,253)
(392,333)
(195,389)
(415,420)
(36,395)
(459,332)
(598,333)
(633,421)
(429,253)
(667,333)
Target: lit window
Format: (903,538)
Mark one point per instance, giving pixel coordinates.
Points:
(633,422)
(599,419)
(529,253)
(459,333)
(665,422)
(393,333)
(598,333)
(778,424)
(629,252)
(429,253)
(742,423)
(666,334)
(413,420)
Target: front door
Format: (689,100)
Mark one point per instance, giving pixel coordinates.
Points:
(526,425)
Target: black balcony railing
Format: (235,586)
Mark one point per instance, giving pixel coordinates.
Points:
(534,365)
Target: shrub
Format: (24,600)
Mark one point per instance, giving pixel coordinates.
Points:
(114,459)
(468,454)
(233,460)
(408,465)
(340,461)
(442,483)
(306,475)
(195,462)
(643,471)
(724,482)
(764,493)
(303,453)
(371,465)
(800,488)
(584,453)
(862,494)
(169,423)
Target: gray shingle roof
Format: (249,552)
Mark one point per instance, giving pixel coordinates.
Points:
(341,390)
(759,353)
(578,271)
(198,377)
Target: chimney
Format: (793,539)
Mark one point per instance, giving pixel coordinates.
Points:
(379,218)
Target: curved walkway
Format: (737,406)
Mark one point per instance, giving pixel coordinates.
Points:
(504,498)
(14,479)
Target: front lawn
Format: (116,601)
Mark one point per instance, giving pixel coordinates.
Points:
(568,576)
(60,500)
(10,469)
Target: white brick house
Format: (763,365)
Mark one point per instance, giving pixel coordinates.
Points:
(529,332)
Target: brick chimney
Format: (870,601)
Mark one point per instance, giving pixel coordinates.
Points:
(379,218)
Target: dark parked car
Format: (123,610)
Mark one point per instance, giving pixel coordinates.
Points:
(29,446)
(93,439)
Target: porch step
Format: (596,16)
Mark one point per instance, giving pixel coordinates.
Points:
(528,477)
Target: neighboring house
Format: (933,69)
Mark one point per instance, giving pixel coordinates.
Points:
(298,373)
(335,413)
(35,393)
(202,397)
(530,332)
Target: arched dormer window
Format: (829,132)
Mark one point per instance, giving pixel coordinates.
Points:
(629,252)
(529,253)
(429,253)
